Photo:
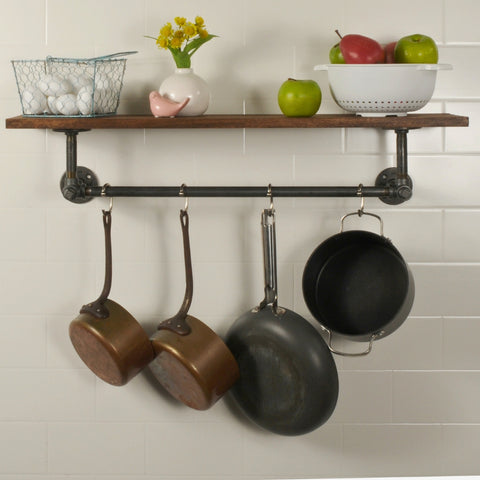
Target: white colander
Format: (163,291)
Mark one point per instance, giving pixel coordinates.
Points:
(382,89)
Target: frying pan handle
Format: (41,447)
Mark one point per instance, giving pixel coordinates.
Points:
(270,262)
(347,354)
(98,308)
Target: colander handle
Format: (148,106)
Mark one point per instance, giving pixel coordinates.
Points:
(434,66)
(321,67)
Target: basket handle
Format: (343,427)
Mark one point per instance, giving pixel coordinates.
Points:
(103,57)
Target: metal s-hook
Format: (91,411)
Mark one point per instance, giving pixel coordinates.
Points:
(183,193)
(104,194)
(361,210)
(269,194)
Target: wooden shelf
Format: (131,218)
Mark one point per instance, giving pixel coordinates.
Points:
(410,121)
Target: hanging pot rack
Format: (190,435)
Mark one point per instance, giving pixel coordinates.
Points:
(392,185)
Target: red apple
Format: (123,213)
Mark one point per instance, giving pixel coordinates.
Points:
(360,49)
(389,52)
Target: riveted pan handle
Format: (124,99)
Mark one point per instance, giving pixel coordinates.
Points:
(178,323)
(269,263)
(97,308)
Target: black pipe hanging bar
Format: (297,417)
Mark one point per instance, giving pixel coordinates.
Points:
(80,185)
(238,191)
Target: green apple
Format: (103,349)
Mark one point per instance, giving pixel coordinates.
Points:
(335,54)
(299,98)
(416,48)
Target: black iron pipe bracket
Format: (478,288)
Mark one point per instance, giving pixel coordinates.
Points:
(397,178)
(80,184)
(75,180)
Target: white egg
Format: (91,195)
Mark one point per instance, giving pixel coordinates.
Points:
(79,81)
(51,105)
(67,104)
(54,85)
(86,100)
(34,101)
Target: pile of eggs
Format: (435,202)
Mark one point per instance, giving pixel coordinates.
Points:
(74,95)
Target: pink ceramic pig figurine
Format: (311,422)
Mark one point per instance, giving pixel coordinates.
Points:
(162,106)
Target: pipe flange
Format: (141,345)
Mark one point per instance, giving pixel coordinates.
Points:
(73,189)
(401,188)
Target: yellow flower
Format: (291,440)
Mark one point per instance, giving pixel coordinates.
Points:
(178,34)
(166,30)
(176,42)
(190,30)
(183,39)
(162,42)
(202,33)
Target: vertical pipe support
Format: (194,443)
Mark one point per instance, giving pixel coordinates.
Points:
(76,179)
(397,178)
(402,159)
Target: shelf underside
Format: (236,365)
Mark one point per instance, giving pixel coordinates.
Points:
(410,121)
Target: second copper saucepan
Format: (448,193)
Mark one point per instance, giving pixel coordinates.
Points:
(192,362)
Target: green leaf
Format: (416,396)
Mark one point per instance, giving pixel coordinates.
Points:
(194,45)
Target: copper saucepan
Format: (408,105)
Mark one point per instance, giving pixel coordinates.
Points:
(192,362)
(106,336)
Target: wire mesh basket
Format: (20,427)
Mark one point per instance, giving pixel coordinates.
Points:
(70,87)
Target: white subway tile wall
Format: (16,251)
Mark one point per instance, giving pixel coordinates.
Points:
(411,407)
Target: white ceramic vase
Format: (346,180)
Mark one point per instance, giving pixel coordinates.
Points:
(182,84)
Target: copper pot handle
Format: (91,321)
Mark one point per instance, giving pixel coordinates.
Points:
(177,323)
(97,308)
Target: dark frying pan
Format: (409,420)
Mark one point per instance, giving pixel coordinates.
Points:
(288,379)
(106,337)
(357,285)
(192,362)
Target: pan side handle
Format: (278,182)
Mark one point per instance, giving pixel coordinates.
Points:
(349,354)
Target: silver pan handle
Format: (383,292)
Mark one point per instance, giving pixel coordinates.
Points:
(348,354)
(360,212)
(270,262)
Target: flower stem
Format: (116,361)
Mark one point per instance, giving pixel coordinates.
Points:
(182,59)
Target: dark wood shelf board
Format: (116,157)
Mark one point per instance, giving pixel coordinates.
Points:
(238,121)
